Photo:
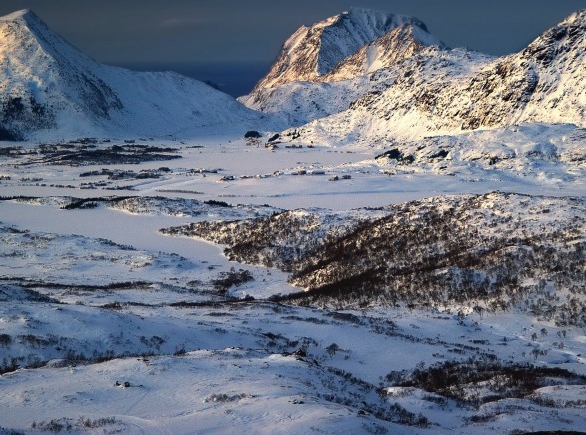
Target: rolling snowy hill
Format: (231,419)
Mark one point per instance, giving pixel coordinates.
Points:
(50,89)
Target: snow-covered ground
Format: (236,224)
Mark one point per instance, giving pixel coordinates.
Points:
(108,325)
(116,318)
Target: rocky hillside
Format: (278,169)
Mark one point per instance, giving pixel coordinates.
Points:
(492,252)
(430,96)
(50,89)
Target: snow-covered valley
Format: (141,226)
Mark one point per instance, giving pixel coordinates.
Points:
(94,295)
(339,277)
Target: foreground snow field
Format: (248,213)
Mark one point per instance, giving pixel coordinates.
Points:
(107,324)
(408,257)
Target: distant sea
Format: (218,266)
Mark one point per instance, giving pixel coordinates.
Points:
(235,79)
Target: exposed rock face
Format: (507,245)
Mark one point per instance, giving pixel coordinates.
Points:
(558,57)
(542,83)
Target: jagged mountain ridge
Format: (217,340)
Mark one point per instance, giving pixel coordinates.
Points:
(295,90)
(542,83)
(50,88)
(313,52)
(434,91)
(399,43)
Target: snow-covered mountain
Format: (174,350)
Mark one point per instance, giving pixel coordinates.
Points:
(406,85)
(542,83)
(399,43)
(323,68)
(50,88)
(312,53)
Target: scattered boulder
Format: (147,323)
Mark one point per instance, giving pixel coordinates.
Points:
(396,154)
(252,134)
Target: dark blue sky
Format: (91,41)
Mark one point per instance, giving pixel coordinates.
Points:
(232,42)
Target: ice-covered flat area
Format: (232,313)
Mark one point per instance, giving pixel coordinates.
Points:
(112,326)
(257,175)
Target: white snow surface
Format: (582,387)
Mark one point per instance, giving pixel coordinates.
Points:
(109,286)
(109,326)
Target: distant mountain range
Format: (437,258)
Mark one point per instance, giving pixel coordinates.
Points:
(358,77)
(49,89)
(403,83)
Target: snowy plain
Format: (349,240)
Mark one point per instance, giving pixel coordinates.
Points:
(124,328)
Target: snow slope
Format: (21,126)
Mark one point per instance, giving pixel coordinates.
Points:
(146,350)
(298,103)
(399,43)
(51,90)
